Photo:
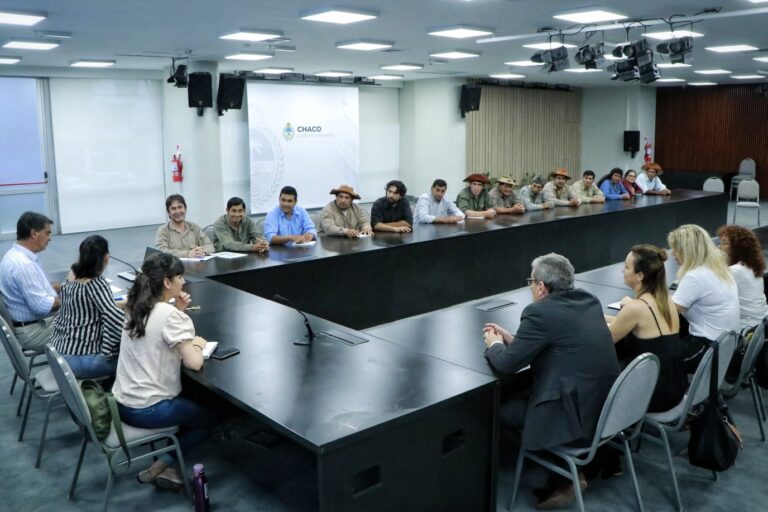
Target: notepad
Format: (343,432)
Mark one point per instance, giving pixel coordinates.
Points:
(303,244)
(209,348)
(361,235)
(115,289)
(614,305)
(229,255)
(198,258)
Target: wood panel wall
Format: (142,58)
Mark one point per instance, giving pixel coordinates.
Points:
(524,131)
(712,129)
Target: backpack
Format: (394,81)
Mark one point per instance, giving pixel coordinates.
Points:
(103,409)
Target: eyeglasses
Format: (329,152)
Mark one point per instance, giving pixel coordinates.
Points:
(529,281)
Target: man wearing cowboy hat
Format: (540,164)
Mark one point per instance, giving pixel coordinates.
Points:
(473,200)
(503,197)
(649,181)
(559,191)
(341,217)
(586,189)
(534,197)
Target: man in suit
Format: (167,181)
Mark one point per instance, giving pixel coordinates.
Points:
(564,337)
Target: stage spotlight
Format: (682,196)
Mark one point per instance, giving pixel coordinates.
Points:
(590,56)
(554,60)
(648,73)
(178,76)
(626,71)
(679,50)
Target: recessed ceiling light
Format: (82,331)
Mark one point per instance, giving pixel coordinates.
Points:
(90,63)
(702,84)
(712,71)
(334,74)
(20,18)
(670,80)
(31,45)
(386,77)
(729,48)
(664,65)
(249,56)
(676,34)
(748,77)
(253,36)
(583,70)
(593,16)
(549,46)
(761,59)
(522,63)
(341,16)
(609,56)
(273,71)
(403,67)
(507,76)
(364,45)
(460,32)
(10,60)
(455,54)
(758,1)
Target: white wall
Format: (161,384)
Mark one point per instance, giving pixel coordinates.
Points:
(606,113)
(432,135)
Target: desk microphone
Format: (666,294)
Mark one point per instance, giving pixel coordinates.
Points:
(310,334)
(128,276)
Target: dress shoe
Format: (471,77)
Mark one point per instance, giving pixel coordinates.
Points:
(562,497)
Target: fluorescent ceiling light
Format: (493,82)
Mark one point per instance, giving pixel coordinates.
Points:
(364,45)
(249,56)
(583,70)
(403,67)
(90,63)
(664,65)
(20,18)
(31,45)
(386,77)
(702,84)
(548,46)
(460,32)
(729,48)
(610,56)
(507,76)
(341,16)
(334,74)
(748,77)
(758,1)
(593,16)
(670,80)
(455,54)
(712,71)
(9,60)
(761,59)
(253,36)
(273,71)
(522,63)
(666,35)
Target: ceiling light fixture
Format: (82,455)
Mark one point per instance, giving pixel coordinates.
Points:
(508,76)
(679,51)
(761,59)
(340,16)
(553,60)
(249,56)
(365,45)
(591,16)
(10,60)
(702,84)
(253,36)
(26,19)
(386,77)
(712,71)
(334,74)
(403,67)
(670,80)
(730,48)
(91,63)
(583,70)
(590,56)
(31,45)
(522,63)
(672,34)
(273,71)
(665,65)
(548,46)
(748,77)
(460,32)
(455,54)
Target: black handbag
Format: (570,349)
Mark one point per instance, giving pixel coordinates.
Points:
(715,442)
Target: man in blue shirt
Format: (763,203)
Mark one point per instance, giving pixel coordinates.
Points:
(29,296)
(289,223)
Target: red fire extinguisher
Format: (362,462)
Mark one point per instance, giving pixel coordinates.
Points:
(648,157)
(177,166)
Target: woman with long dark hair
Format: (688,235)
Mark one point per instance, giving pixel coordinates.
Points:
(747,265)
(157,339)
(87,329)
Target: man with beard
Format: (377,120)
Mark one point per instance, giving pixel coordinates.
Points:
(392,212)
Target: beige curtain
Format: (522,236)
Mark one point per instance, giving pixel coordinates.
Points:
(521,132)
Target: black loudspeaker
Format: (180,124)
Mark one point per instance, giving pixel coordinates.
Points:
(230,94)
(200,91)
(470,99)
(632,141)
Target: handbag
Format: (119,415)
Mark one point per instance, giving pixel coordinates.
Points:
(715,442)
(103,410)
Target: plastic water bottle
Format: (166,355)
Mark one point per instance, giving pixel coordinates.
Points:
(200,488)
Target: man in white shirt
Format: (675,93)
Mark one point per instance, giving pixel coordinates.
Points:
(433,208)
(28,295)
(649,181)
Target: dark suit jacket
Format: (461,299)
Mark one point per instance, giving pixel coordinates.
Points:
(566,341)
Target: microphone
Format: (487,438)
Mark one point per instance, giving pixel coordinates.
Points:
(310,333)
(128,276)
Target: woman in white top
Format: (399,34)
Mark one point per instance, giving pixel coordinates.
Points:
(706,294)
(157,339)
(747,265)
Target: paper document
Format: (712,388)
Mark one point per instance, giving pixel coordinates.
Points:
(229,255)
(209,348)
(304,244)
(198,258)
(115,289)
(614,305)
(361,235)
(474,217)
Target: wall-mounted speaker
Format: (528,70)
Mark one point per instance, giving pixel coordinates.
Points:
(230,94)
(632,141)
(200,91)
(470,99)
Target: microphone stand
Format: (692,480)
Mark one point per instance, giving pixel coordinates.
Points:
(310,336)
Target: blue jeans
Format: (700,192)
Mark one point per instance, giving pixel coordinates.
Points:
(92,366)
(194,422)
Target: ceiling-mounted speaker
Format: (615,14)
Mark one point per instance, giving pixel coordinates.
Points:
(200,91)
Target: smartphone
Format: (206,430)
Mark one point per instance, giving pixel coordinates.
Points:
(224,353)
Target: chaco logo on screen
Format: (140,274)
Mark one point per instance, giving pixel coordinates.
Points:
(302,130)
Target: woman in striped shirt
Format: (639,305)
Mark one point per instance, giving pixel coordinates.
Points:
(88,327)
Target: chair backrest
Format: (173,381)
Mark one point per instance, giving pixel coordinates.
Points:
(753,350)
(698,391)
(260,224)
(14,351)
(4,314)
(315,216)
(628,399)
(70,391)
(210,233)
(747,168)
(748,189)
(714,185)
